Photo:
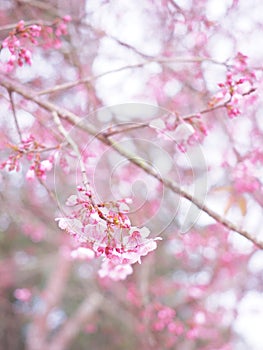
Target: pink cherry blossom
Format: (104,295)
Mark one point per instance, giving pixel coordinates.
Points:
(184,154)
(82,253)
(115,272)
(30,175)
(20,40)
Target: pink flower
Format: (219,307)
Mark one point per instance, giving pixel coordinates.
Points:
(35,30)
(72,200)
(46,165)
(83,253)
(67,18)
(147,246)
(240,63)
(74,226)
(96,233)
(108,233)
(137,244)
(20,26)
(30,175)
(233,106)
(175,328)
(114,272)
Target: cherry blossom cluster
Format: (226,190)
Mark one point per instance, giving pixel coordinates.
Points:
(51,35)
(20,40)
(16,44)
(185,132)
(239,82)
(105,230)
(241,67)
(30,148)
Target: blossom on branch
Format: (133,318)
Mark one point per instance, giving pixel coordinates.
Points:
(30,149)
(104,230)
(239,82)
(20,40)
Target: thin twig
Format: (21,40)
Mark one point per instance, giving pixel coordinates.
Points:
(131,126)
(26,23)
(79,156)
(163,60)
(49,191)
(14,114)
(174,187)
(85,80)
(39,4)
(218,106)
(73,145)
(47,149)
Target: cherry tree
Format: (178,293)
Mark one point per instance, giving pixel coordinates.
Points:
(131,166)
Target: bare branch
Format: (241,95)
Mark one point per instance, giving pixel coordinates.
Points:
(163,60)
(39,4)
(74,146)
(26,23)
(14,114)
(124,128)
(133,126)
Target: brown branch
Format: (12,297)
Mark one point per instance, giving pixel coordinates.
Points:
(176,6)
(47,149)
(76,150)
(130,47)
(36,3)
(174,187)
(121,128)
(85,80)
(51,194)
(14,114)
(26,23)
(214,108)
(163,60)
(133,126)
(74,146)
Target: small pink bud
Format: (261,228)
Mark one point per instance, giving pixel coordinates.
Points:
(67,18)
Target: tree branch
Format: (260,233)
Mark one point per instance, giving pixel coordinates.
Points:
(174,187)
(162,60)
(74,146)
(26,23)
(14,114)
